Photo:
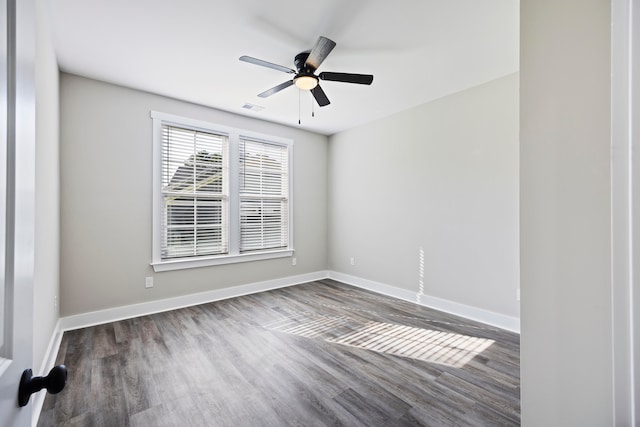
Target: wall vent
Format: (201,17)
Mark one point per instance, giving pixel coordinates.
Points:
(252,107)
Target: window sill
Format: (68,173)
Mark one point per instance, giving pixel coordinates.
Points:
(180,264)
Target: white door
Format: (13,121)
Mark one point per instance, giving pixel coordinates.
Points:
(17,197)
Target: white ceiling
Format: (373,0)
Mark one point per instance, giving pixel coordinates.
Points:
(418,50)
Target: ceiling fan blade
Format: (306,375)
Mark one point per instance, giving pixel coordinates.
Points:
(320,96)
(363,79)
(319,52)
(275,89)
(271,65)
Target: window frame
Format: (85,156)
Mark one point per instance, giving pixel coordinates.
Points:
(235,136)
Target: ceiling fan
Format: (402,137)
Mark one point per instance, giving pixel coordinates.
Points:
(306,64)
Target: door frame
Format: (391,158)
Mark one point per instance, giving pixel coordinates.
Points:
(19,206)
(625,206)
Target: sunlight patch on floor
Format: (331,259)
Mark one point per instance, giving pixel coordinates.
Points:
(445,348)
(308,326)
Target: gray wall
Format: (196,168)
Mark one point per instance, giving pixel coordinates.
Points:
(47,196)
(566,357)
(106,193)
(441,178)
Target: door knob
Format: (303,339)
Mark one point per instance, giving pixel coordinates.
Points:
(54,383)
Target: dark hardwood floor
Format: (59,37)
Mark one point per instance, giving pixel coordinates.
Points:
(321,353)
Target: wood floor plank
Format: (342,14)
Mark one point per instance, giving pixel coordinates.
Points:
(316,354)
(139,383)
(107,388)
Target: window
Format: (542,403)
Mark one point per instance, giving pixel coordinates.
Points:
(194,193)
(264,188)
(221,195)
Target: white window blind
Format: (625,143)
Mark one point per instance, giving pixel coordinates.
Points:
(264,195)
(195,193)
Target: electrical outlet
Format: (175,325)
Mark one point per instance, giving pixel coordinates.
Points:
(55,301)
(148,282)
(518,294)
(353,261)
(293,261)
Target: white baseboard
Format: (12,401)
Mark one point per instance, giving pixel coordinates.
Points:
(473,313)
(48,363)
(135,310)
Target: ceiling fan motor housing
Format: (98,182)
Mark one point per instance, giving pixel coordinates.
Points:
(300,62)
(305,79)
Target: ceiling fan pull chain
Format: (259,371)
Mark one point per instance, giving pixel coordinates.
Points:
(313,110)
(299,107)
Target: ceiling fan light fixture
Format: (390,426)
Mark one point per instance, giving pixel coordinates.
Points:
(306,82)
